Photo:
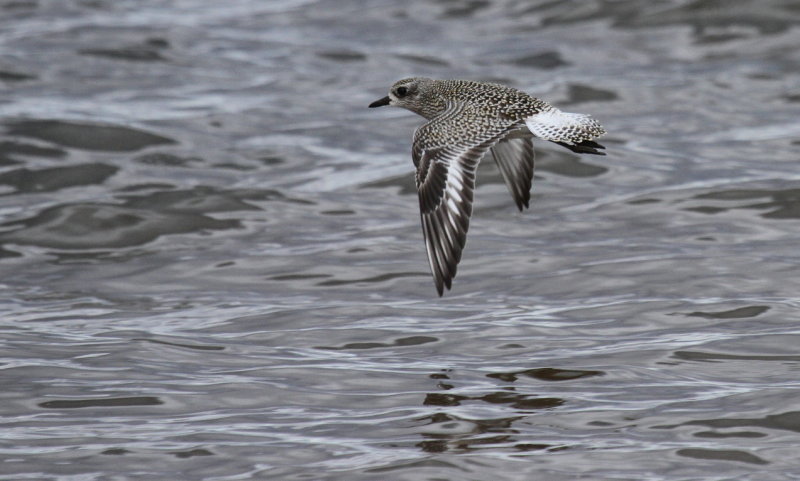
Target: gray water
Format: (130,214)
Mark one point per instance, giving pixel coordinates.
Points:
(212,266)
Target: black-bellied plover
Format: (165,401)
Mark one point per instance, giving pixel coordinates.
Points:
(465,119)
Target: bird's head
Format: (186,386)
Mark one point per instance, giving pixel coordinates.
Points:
(413,94)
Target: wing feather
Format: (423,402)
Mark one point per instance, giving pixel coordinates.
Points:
(515,159)
(446,181)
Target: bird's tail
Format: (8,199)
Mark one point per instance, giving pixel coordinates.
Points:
(573,131)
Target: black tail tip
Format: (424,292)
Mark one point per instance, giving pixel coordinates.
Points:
(585,147)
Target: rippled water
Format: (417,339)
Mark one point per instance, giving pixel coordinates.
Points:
(213,269)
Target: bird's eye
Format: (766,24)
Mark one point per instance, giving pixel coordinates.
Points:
(401,91)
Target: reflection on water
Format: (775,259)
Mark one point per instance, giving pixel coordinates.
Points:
(212,262)
(545,374)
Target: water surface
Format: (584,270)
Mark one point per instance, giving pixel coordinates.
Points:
(213,267)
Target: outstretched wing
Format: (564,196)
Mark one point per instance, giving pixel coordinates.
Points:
(515,159)
(446,154)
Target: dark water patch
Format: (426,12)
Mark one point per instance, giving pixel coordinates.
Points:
(708,14)
(544,61)
(405,183)
(165,159)
(443,399)
(788,421)
(271,159)
(20,5)
(148,52)
(56,178)
(643,201)
(425,463)
(342,55)
(405,341)
(115,452)
(298,277)
(424,60)
(84,136)
(8,76)
(705,17)
(371,280)
(735,194)
(498,80)
(712,38)
(93,226)
(735,434)
(440,445)
(97,257)
(739,313)
(433,446)
(532,447)
(157,42)
(599,423)
(338,212)
(192,453)
(577,94)
(706,210)
(146,187)
(521,401)
(462,8)
(234,166)
(9,150)
(7,254)
(721,455)
(188,346)
(716,356)
(102,402)
(784,204)
(568,165)
(546,374)
(200,199)
(515,400)
(792,98)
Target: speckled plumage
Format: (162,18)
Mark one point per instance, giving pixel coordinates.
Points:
(465,120)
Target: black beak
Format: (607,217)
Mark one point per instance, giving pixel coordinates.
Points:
(380,102)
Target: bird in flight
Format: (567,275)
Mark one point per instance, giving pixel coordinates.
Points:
(465,119)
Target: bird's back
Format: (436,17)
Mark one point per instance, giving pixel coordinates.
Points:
(492,100)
